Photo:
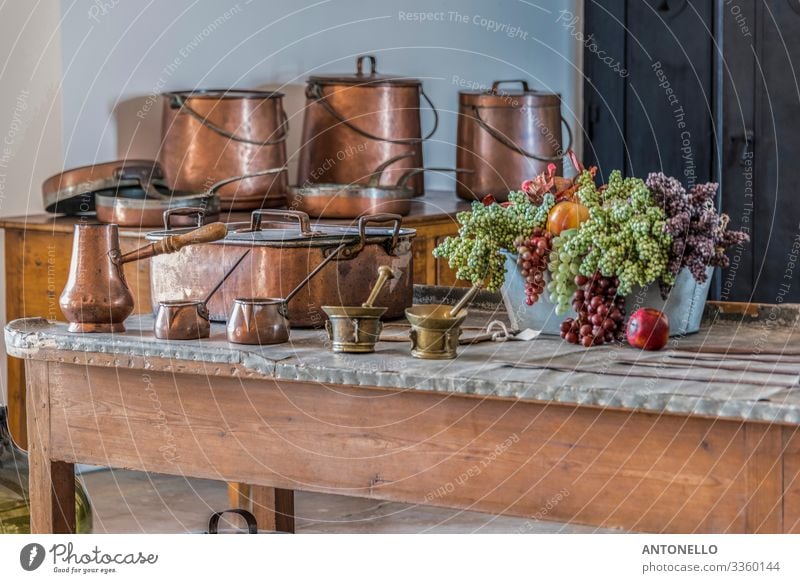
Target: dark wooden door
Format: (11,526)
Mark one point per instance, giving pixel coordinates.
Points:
(710,92)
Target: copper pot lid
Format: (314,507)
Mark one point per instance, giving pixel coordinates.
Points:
(519,96)
(361,77)
(72,191)
(299,233)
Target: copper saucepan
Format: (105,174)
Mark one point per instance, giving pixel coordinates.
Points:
(266,320)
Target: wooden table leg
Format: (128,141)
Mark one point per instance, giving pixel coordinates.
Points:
(273,508)
(52,483)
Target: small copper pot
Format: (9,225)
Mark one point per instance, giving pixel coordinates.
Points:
(258,321)
(182,320)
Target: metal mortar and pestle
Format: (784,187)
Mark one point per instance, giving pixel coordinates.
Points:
(436,328)
(358,328)
(97,297)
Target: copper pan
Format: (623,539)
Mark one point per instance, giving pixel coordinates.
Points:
(350,201)
(148,209)
(72,192)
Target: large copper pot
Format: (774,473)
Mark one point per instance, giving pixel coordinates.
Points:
(505,138)
(281,254)
(212,135)
(353,123)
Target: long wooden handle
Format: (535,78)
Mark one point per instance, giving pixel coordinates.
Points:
(205,234)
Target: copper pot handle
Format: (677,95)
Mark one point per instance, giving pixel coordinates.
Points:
(503,139)
(354,250)
(205,234)
(252,525)
(496,84)
(375,177)
(186,211)
(314,91)
(373,64)
(178,102)
(302,219)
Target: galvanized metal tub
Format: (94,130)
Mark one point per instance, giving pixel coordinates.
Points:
(684,306)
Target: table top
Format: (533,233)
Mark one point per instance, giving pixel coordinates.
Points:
(436,205)
(749,370)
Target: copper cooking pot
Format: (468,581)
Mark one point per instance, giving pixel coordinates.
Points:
(506,137)
(282,252)
(353,123)
(211,135)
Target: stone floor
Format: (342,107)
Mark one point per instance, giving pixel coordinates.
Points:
(135,502)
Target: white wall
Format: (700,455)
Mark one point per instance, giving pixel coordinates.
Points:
(116,53)
(30,111)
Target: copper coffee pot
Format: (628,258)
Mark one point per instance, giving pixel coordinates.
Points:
(96,297)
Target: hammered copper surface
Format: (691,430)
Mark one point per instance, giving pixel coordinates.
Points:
(258,321)
(499,133)
(274,268)
(96,297)
(195,156)
(381,106)
(182,321)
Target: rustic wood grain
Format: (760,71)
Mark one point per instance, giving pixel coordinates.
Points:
(606,468)
(764,478)
(52,483)
(791,480)
(273,508)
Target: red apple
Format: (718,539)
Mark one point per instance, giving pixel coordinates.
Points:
(648,329)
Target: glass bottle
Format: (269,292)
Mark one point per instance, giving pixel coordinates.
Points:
(15,515)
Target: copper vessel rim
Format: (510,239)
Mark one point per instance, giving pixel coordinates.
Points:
(180,303)
(217,94)
(256,301)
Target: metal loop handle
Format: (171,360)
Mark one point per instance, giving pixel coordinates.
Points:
(314,91)
(375,177)
(373,64)
(179,102)
(503,139)
(523,82)
(185,211)
(216,186)
(362,231)
(302,219)
(252,525)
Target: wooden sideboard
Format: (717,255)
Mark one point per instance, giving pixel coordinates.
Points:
(37,255)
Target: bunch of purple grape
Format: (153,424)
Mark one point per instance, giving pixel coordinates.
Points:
(600,312)
(699,233)
(533,253)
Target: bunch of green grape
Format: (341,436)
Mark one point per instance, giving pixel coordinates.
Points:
(625,234)
(475,254)
(564,266)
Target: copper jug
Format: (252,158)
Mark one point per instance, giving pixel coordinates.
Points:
(354,123)
(505,138)
(212,135)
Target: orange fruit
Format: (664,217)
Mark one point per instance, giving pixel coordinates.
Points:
(565,215)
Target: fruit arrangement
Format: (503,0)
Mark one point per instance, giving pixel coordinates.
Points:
(590,245)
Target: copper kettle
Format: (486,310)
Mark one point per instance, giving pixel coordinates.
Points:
(96,297)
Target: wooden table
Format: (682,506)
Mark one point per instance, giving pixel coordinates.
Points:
(37,256)
(537,429)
